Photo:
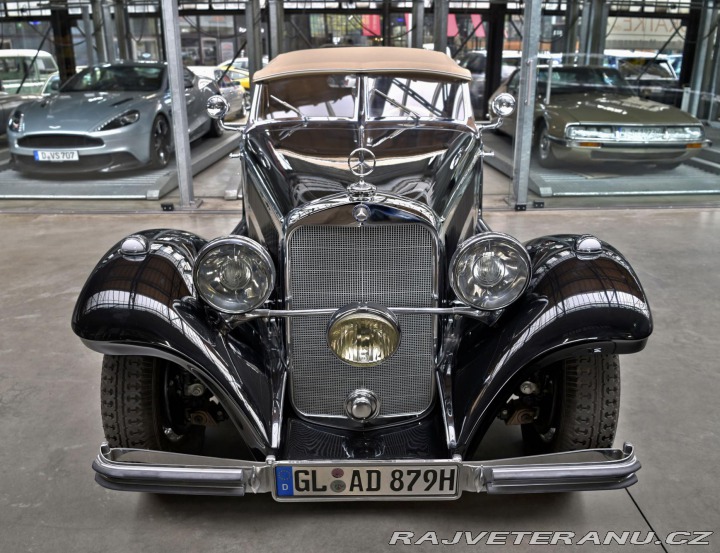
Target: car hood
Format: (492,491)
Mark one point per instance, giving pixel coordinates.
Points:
(616,109)
(82,111)
(300,165)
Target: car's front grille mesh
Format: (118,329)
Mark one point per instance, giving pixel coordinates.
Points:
(332,266)
(59,141)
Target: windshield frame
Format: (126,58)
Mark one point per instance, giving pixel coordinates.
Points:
(362,102)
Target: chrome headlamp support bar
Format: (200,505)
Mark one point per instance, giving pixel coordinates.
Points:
(487,316)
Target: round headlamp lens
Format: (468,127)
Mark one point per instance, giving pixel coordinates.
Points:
(363,338)
(234,274)
(490,271)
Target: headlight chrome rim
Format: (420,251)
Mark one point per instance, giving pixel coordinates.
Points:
(262,258)
(471,247)
(370,311)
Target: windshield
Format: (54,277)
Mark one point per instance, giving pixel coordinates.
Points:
(641,68)
(574,80)
(18,67)
(395,97)
(316,96)
(334,96)
(116,78)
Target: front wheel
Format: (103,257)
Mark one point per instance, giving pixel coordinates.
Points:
(545,154)
(578,405)
(160,143)
(142,406)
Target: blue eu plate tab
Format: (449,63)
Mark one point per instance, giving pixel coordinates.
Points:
(284,481)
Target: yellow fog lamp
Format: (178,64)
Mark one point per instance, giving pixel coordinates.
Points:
(363,335)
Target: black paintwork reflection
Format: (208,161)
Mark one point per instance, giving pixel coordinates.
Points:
(142,305)
(310,163)
(290,165)
(571,302)
(415,440)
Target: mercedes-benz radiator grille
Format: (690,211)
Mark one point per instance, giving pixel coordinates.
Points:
(331,266)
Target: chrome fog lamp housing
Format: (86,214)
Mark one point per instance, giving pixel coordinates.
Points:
(363,335)
(234,274)
(490,271)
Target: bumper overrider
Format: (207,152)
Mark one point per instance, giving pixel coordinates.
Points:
(338,480)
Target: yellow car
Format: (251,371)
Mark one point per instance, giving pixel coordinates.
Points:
(239,76)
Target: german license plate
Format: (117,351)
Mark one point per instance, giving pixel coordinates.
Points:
(56,155)
(398,481)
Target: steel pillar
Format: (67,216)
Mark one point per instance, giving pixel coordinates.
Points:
(108,33)
(592,31)
(417,35)
(495,38)
(253,20)
(170,19)
(277,27)
(526,103)
(98,30)
(62,37)
(440,11)
(701,56)
(87,31)
(121,29)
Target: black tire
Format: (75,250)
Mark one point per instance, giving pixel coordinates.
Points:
(160,143)
(216,130)
(137,409)
(581,410)
(545,156)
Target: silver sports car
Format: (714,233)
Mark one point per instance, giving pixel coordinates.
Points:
(107,117)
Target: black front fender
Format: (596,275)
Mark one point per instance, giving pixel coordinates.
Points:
(575,304)
(146,305)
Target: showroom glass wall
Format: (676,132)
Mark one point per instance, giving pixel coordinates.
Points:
(592,159)
(625,110)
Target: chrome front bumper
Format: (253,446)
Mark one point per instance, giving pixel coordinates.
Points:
(163,472)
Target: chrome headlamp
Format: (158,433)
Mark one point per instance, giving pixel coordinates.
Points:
(363,335)
(234,274)
(590,132)
(490,271)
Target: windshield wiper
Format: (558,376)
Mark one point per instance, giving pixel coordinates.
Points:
(289,106)
(397,104)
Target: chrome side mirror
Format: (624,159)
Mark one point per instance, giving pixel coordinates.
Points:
(503,105)
(500,106)
(217,107)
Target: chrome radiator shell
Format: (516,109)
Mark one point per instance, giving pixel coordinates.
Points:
(332,260)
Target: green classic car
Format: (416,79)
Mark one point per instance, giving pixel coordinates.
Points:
(591,114)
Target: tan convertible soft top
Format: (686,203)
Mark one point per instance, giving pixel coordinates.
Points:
(378,59)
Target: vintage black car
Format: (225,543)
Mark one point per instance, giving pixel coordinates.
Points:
(361,326)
